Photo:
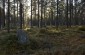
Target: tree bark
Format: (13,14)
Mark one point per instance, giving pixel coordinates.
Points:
(21,6)
(8,17)
(31,14)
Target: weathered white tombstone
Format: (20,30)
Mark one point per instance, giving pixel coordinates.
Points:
(22,37)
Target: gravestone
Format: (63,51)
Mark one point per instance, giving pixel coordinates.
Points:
(22,37)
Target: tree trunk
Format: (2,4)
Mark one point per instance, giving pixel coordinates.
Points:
(14,15)
(57,21)
(70,13)
(41,15)
(17,14)
(31,14)
(38,16)
(67,23)
(0,18)
(3,13)
(8,17)
(21,6)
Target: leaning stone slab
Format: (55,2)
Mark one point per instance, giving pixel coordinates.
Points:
(23,38)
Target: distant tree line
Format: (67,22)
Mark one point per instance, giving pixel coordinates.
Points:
(14,14)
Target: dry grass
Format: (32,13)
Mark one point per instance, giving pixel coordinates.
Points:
(45,41)
(63,42)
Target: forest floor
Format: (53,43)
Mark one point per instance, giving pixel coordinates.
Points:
(45,41)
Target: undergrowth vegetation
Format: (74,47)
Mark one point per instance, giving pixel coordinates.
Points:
(81,28)
(45,41)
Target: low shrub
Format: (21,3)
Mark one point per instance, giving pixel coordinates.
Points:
(9,39)
(34,44)
(43,30)
(81,28)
